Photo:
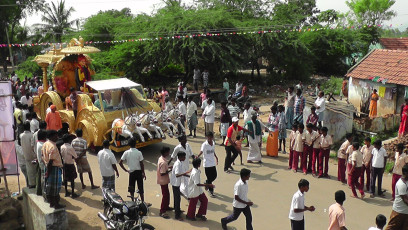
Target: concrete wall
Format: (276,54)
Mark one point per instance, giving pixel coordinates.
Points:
(39,216)
(378,124)
(358,96)
(338,124)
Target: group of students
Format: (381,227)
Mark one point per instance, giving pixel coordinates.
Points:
(312,147)
(184,180)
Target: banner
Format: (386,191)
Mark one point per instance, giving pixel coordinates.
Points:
(8,153)
(7,146)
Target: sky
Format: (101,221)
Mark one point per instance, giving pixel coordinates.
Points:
(86,8)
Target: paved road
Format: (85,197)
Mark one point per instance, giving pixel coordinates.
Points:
(271,187)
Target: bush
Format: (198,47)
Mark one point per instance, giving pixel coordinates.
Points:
(171,70)
(28,68)
(333,85)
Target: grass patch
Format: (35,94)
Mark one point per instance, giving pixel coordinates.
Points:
(332,85)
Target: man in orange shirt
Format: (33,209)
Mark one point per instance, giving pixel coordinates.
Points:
(53,119)
(337,214)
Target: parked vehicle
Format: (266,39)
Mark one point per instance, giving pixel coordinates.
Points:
(123,215)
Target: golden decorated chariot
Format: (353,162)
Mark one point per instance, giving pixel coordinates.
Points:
(101,102)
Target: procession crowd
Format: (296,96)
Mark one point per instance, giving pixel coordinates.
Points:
(47,155)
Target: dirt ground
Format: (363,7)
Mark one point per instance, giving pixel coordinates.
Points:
(271,187)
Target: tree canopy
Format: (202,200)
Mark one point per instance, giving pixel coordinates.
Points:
(300,40)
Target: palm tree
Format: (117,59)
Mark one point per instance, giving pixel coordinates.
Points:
(56,20)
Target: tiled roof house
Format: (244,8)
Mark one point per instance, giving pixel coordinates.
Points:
(382,69)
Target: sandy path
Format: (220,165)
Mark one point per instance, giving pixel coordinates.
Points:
(271,187)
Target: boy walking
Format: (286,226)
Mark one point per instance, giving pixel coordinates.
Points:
(241,202)
(196,193)
(355,171)
(377,168)
(210,160)
(134,159)
(337,214)
(163,180)
(178,171)
(297,207)
(399,214)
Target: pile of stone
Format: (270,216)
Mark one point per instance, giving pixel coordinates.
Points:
(391,147)
(11,214)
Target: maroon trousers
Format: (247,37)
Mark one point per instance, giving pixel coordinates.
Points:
(341,170)
(193,203)
(395,178)
(315,158)
(290,158)
(324,157)
(367,171)
(354,182)
(295,161)
(308,152)
(349,166)
(165,198)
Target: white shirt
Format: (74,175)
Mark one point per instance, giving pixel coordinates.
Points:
(374,228)
(38,150)
(26,101)
(187,150)
(234,110)
(182,108)
(208,154)
(197,74)
(34,125)
(133,157)
(247,115)
(209,112)
(401,188)
(321,102)
(298,202)
(191,108)
(240,190)
(378,157)
(106,159)
(178,168)
(193,189)
(47,111)
(204,104)
(20,155)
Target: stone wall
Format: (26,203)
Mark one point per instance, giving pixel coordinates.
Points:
(338,124)
(39,216)
(378,124)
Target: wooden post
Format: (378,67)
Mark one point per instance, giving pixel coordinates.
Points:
(3,170)
(45,80)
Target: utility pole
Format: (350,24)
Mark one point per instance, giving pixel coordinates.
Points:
(9,46)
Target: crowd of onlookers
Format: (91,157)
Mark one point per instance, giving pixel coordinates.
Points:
(51,157)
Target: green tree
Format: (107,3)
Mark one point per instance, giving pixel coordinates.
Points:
(56,18)
(10,15)
(371,12)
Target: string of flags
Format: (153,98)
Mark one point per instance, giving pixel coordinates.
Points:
(187,35)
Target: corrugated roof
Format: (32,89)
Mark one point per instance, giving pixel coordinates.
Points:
(391,65)
(394,43)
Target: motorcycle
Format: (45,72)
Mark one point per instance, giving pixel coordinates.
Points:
(123,215)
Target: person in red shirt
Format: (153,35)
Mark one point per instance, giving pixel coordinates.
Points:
(53,119)
(230,145)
